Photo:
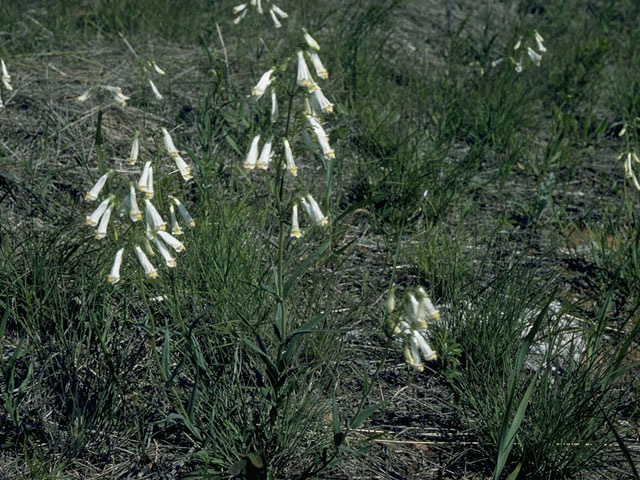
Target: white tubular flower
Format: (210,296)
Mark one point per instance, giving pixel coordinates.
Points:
(148,193)
(149,271)
(5,76)
(1,104)
(276,22)
(317,64)
(183,167)
(274,107)
(169,259)
(168,143)
(114,276)
(155,91)
(134,213)
(239,8)
(518,43)
(259,7)
(295,226)
(118,96)
(188,219)
(142,181)
(291,165)
(412,356)
(262,85)
(92,194)
(265,155)
(252,156)
(172,241)
(427,352)
(310,41)
(519,65)
(158,70)
(323,140)
(496,62)
(92,220)
(175,227)
(314,212)
(84,97)
(153,217)
(321,102)
(135,149)
(281,13)
(628,170)
(104,223)
(428,307)
(402,328)
(539,41)
(304,78)
(534,56)
(240,17)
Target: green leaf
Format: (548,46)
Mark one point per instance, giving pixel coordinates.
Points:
(513,475)
(166,356)
(265,358)
(305,265)
(256,460)
(363,414)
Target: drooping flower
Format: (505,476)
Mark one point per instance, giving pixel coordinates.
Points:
(304,78)
(518,43)
(169,259)
(188,219)
(104,223)
(134,213)
(519,65)
(274,107)
(92,194)
(114,276)
(281,13)
(158,70)
(295,226)
(259,7)
(262,85)
(420,342)
(265,155)
(321,102)
(317,64)
(628,170)
(534,56)
(148,192)
(175,226)
(291,164)
(310,41)
(153,217)
(149,271)
(155,91)
(92,220)
(183,168)
(6,78)
(84,97)
(313,210)
(135,149)
(168,143)
(172,241)
(252,156)
(142,181)
(539,41)
(323,138)
(276,22)
(239,18)
(118,96)
(412,356)
(239,8)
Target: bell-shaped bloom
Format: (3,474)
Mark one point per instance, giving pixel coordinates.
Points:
(313,210)
(175,226)
(92,194)
(262,85)
(135,149)
(281,13)
(158,70)
(252,156)
(295,226)
(118,96)
(539,41)
(239,18)
(320,102)
(114,276)
(412,356)
(134,211)
(288,154)
(153,217)
(104,223)
(155,91)
(628,170)
(239,8)
(84,97)
(259,7)
(303,77)
(148,193)
(172,241)
(92,220)
(518,44)
(276,22)
(317,64)
(274,107)
(519,65)
(431,311)
(168,143)
(142,181)
(421,343)
(534,56)
(188,219)
(313,45)
(265,155)
(6,78)
(169,259)
(323,138)
(149,271)
(183,168)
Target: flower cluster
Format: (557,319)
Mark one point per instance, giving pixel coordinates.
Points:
(411,329)
(155,236)
(313,106)
(534,56)
(275,12)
